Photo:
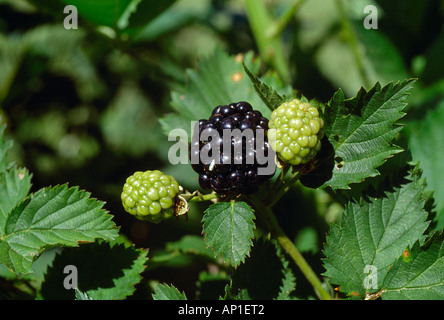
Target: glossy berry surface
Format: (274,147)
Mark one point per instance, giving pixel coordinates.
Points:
(295,132)
(239,153)
(150,195)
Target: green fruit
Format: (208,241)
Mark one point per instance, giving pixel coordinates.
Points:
(150,195)
(295,132)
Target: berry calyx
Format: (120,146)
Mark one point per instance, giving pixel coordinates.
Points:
(150,195)
(295,132)
(235,140)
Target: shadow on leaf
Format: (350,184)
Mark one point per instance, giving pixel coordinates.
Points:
(97,266)
(324,163)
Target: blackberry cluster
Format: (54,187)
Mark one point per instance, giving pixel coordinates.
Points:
(236,173)
(150,195)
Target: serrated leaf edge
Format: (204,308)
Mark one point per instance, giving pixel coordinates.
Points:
(218,252)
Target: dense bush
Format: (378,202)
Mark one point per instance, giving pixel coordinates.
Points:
(87,103)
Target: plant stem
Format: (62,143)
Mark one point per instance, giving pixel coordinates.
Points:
(271,49)
(353,42)
(283,187)
(267,216)
(203,197)
(279,26)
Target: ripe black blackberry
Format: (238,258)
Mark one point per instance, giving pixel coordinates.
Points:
(236,171)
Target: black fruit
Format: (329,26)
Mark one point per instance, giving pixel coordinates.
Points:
(233,169)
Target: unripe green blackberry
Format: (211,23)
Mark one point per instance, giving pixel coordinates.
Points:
(297,133)
(150,195)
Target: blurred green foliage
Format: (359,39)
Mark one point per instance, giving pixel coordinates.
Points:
(82,105)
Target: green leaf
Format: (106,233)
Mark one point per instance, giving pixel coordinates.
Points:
(82,296)
(361,131)
(191,244)
(11,53)
(228,229)
(103,12)
(211,285)
(146,11)
(392,172)
(264,276)
(268,95)
(383,62)
(166,292)
(133,129)
(218,79)
(57,216)
(173,19)
(426,142)
(105,271)
(5,145)
(124,286)
(60,52)
(433,69)
(418,273)
(14,187)
(338,50)
(307,240)
(374,234)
